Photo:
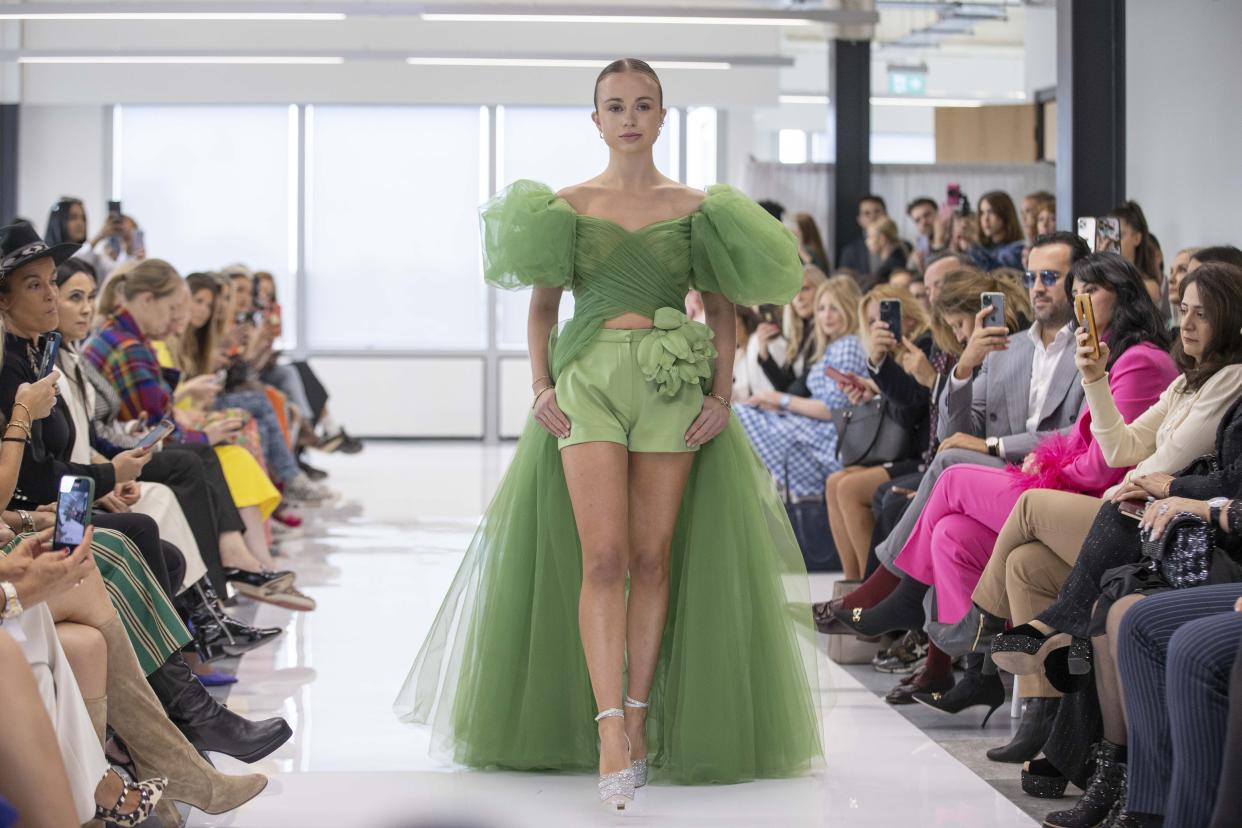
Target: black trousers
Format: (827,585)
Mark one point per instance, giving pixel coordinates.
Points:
(1112,541)
(164,560)
(316,394)
(193,472)
(1228,811)
(888,507)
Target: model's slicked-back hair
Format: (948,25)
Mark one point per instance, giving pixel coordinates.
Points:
(628,65)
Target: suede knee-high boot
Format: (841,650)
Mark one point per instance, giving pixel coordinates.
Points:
(155,743)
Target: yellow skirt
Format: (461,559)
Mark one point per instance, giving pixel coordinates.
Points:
(248,483)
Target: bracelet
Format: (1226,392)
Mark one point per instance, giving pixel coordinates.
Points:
(21,440)
(549,385)
(728,406)
(25,429)
(28,524)
(537,381)
(22,405)
(540,394)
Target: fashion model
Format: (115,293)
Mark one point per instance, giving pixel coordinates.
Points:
(634,597)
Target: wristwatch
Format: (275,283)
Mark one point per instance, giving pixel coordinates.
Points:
(1214,507)
(993,444)
(785,400)
(12,606)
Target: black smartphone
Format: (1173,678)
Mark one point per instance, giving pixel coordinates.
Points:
(51,345)
(995,301)
(770,314)
(114,208)
(73,511)
(161,430)
(890,314)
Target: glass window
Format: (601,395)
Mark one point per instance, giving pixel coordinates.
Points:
(557,146)
(701,147)
(392,201)
(791,146)
(212,185)
(903,148)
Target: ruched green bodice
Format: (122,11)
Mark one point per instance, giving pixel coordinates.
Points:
(730,245)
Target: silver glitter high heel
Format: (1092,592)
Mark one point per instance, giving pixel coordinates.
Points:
(639,766)
(616,790)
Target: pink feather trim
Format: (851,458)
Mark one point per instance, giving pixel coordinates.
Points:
(1053,454)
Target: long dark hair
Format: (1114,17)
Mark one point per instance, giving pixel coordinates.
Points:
(1220,294)
(58,223)
(1002,204)
(1145,256)
(1135,318)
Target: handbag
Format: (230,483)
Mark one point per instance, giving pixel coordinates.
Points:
(1183,554)
(809,518)
(869,435)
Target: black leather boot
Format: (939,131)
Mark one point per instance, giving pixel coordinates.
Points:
(1036,726)
(209,725)
(216,629)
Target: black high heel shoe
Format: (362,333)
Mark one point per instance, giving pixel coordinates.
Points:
(1057,671)
(1023,649)
(1042,780)
(976,688)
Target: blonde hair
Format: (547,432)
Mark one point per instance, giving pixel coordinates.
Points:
(843,292)
(794,326)
(911,311)
(132,279)
(887,228)
(960,294)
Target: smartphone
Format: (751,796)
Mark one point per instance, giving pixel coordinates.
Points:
(995,301)
(1102,234)
(890,314)
(840,378)
(953,195)
(161,430)
(1132,508)
(770,314)
(140,239)
(114,208)
(1086,318)
(51,345)
(73,511)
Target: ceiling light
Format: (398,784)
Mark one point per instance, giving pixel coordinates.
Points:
(153,15)
(823,100)
(298,60)
(456,17)
(558,63)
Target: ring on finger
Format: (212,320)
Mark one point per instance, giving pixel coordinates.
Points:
(1162,509)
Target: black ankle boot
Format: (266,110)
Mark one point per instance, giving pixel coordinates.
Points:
(215,631)
(1106,787)
(1034,730)
(207,724)
(976,688)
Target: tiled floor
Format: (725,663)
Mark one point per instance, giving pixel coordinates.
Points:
(378,564)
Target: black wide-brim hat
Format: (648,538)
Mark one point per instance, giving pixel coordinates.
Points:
(21,244)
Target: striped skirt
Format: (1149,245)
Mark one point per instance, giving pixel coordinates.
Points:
(153,626)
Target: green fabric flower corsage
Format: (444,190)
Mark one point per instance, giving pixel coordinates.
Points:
(677,351)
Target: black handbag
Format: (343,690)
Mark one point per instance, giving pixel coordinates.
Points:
(869,435)
(809,518)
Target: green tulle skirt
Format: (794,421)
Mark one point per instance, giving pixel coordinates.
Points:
(502,678)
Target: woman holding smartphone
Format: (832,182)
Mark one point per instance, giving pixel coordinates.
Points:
(629,464)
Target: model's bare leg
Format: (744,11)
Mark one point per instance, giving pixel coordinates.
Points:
(32,773)
(596,475)
(655,488)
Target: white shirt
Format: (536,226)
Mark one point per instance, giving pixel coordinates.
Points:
(1043,366)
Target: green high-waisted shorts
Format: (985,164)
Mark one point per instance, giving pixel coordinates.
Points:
(606,398)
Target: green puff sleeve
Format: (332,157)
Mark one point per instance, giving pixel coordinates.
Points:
(738,249)
(528,238)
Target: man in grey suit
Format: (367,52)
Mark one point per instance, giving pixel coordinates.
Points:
(1006,393)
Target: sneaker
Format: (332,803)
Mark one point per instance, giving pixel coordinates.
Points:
(302,488)
(905,656)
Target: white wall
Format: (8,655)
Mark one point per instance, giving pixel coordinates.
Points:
(62,154)
(1039,41)
(1183,119)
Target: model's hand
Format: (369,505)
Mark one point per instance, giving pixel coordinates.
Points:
(765,333)
(964,441)
(41,573)
(549,415)
(710,422)
(1090,366)
(1158,514)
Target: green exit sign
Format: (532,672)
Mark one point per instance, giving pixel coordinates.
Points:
(907,82)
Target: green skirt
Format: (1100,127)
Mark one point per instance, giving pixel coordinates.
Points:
(153,626)
(502,678)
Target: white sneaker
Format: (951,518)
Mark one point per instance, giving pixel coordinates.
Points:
(304,489)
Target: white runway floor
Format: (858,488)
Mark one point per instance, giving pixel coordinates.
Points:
(378,564)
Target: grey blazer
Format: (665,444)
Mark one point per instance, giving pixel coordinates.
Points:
(994,403)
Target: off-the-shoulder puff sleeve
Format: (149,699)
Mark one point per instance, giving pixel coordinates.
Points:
(528,238)
(738,249)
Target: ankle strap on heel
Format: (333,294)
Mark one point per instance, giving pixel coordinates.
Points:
(610,713)
(635,703)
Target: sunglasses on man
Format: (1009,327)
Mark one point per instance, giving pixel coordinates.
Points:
(1048,277)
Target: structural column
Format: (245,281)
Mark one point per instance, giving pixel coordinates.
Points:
(8,161)
(849,116)
(1091,108)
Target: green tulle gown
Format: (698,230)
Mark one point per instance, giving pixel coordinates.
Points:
(501,676)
